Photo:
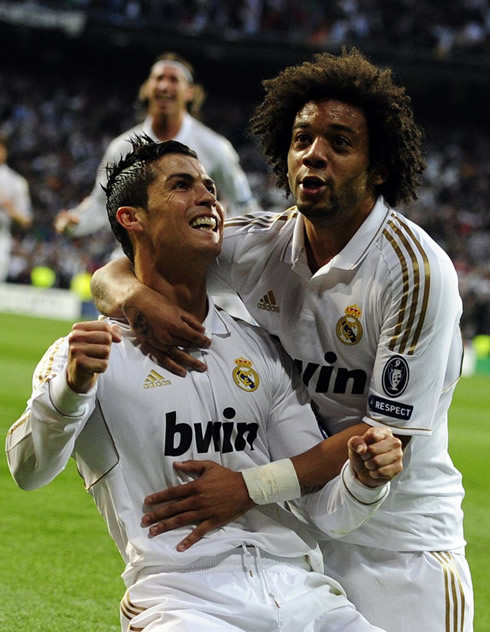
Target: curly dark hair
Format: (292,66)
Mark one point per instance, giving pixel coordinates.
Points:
(395,141)
(128,180)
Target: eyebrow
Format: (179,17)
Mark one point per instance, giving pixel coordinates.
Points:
(190,178)
(337,127)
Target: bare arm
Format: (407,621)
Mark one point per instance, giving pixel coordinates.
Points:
(160,326)
(220,495)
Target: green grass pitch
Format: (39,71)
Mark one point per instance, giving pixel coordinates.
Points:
(59,569)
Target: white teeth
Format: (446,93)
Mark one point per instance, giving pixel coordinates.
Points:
(204,223)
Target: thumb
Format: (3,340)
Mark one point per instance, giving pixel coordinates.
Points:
(357,445)
(116,333)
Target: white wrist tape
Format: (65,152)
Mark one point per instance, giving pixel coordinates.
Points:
(272,483)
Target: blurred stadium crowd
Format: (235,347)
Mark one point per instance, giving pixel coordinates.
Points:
(58,130)
(440,26)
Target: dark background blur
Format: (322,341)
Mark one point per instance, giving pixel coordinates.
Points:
(71,71)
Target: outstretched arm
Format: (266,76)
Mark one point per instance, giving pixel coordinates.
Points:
(221,495)
(160,326)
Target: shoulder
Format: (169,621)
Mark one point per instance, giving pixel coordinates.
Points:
(410,253)
(121,144)
(207,136)
(255,337)
(262,223)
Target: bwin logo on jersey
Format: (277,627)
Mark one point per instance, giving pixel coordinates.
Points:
(244,376)
(349,328)
(395,376)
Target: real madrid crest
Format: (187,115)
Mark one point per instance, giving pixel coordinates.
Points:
(349,328)
(244,376)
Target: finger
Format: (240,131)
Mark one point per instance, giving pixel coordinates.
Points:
(192,467)
(185,360)
(174,522)
(171,493)
(167,363)
(193,332)
(194,536)
(175,511)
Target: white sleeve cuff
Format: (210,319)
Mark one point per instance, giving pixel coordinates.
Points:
(272,483)
(362,493)
(65,400)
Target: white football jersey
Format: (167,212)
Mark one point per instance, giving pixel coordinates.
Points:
(14,189)
(215,152)
(375,335)
(248,407)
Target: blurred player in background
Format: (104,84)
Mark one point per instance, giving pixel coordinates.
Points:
(172,101)
(367,304)
(125,420)
(15,206)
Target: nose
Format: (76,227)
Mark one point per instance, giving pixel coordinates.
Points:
(316,154)
(205,197)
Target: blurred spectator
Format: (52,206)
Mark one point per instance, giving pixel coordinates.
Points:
(15,206)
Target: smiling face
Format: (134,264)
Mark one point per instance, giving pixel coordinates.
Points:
(328,163)
(182,224)
(167,89)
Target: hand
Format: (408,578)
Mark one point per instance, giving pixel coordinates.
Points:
(216,498)
(89,348)
(376,456)
(168,328)
(64,222)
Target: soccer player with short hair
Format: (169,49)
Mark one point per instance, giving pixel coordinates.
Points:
(99,397)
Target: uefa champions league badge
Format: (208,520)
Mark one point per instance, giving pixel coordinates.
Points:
(244,376)
(349,328)
(395,376)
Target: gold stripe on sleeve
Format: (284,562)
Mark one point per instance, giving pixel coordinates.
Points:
(425,299)
(401,235)
(403,264)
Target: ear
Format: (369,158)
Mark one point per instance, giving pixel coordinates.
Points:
(379,175)
(128,217)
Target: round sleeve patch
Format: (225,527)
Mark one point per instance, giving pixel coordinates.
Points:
(395,376)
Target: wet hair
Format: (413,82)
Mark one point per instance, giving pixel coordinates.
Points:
(198,94)
(128,180)
(395,141)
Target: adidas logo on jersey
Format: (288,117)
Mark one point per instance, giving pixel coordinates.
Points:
(268,303)
(154,379)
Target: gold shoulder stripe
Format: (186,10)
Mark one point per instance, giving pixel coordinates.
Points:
(425,299)
(26,415)
(46,365)
(453,586)
(265,221)
(409,325)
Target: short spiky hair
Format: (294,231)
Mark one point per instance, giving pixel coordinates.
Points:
(394,138)
(128,180)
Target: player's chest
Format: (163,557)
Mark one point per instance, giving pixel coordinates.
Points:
(218,411)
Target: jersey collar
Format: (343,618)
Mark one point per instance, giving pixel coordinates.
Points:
(214,323)
(352,254)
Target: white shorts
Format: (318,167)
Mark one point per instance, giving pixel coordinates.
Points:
(404,592)
(245,591)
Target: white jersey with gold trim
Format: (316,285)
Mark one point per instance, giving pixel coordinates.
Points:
(375,335)
(215,152)
(248,407)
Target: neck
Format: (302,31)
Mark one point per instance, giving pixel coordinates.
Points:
(323,241)
(166,127)
(186,291)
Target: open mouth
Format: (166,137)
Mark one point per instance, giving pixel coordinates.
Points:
(312,183)
(205,223)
